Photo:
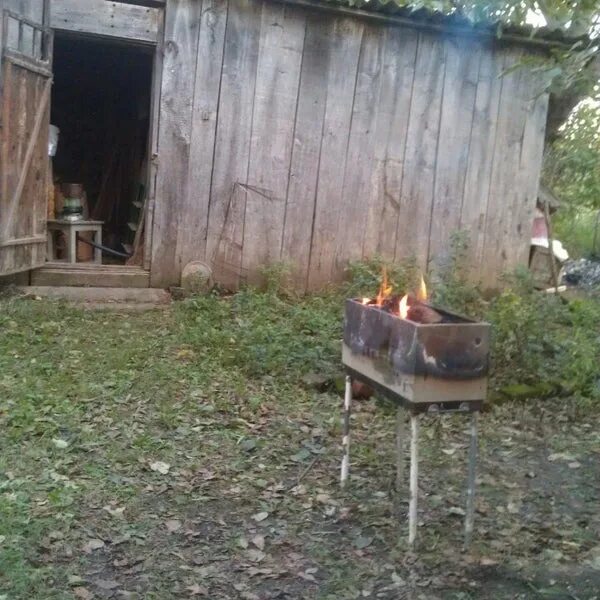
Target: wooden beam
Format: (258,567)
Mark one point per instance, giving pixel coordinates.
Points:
(39,239)
(146,3)
(107,19)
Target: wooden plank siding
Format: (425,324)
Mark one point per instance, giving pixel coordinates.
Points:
(320,138)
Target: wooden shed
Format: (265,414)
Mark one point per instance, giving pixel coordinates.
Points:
(301,131)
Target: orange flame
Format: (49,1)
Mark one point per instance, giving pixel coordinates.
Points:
(403,307)
(385,290)
(422,292)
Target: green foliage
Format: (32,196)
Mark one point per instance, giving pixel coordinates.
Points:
(263,334)
(452,287)
(213,387)
(572,170)
(579,231)
(277,278)
(364,277)
(544,344)
(575,17)
(572,165)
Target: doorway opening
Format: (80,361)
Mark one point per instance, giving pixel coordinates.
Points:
(101,105)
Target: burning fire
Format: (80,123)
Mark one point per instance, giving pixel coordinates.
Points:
(393,303)
(403,307)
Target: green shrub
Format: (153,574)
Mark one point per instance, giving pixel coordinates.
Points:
(577,231)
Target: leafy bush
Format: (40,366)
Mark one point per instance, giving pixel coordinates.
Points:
(364,277)
(579,231)
(542,345)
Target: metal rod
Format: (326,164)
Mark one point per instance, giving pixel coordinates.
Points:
(400,435)
(414,480)
(470,512)
(345,471)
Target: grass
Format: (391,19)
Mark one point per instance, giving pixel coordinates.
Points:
(139,454)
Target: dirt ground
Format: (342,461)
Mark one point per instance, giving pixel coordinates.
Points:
(138,463)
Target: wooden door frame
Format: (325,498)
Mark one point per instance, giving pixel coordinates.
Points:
(157,73)
(152,143)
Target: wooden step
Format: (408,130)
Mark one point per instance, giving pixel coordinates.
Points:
(90,275)
(102,297)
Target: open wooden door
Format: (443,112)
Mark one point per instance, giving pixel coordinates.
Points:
(25,86)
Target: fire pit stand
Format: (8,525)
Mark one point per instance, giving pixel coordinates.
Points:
(424,368)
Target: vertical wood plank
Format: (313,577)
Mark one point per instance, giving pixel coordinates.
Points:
(232,146)
(182,23)
(460,85)
(481,155)
(276,96)
(389,146)
(507,149)
(345,44)
(306,152)
(518,239)
(421,149)
(192,233)
(354,203)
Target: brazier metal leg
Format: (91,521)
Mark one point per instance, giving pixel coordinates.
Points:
(400,435)
(470,513)
(345,471)
(414,480)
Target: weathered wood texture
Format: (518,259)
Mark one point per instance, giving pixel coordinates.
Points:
(107,19)
(320,138)
(24,113)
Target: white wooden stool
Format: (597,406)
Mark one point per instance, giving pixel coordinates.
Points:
(71,229)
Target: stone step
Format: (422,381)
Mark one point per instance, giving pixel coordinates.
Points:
(103,297)
(89,275)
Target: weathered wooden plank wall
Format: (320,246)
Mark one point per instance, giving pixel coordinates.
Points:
(107,19)
(23,219)
(24,115)
(320,138)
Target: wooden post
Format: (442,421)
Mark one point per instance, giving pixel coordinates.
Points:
(414,480)
(551,246)
(72,244)
(470,512)
(345,471)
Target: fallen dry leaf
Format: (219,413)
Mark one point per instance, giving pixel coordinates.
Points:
(173,525)
(91,545)
(456,510)
(160,467)
(259,541)
(260,516)
(114,512)
(107,584)
(255,555)
(197,590)
(82,593)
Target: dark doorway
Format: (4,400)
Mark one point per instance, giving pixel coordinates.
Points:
(101,104)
